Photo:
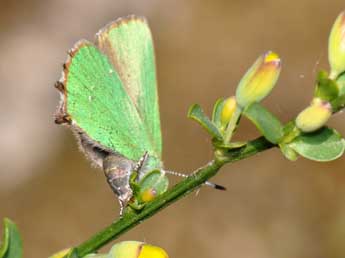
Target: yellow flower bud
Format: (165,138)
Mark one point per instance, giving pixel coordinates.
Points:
(135,249)
(259,80)
(227,111)
(61,253)
(150,251)
(336,46)
(315,116)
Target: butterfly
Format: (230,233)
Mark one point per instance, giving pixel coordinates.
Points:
(109,99)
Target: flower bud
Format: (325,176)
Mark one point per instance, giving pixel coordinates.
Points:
(315,116)
(61,253)
(134,249)
(336,46)
(259,80)
(228,109)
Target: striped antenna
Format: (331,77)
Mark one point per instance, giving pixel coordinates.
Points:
(207,183)
(144,158)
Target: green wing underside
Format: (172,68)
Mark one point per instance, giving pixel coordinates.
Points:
(129,46)
(100,106)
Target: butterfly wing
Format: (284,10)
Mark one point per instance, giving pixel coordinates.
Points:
(96,103)
(128,44)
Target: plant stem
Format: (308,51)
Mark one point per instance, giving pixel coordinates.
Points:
(130,219)
(186,186)
(232,124)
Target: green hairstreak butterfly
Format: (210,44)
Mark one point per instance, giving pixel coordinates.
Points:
(109,99)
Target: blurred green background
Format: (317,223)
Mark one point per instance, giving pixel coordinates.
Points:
(273,208)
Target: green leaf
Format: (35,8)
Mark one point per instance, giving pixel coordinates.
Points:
(217,110)
(265,121)
(326,89)
(323,145)
(12,244)
(338,103)
(229,146)
(195,112)
(290,132)
(341,84)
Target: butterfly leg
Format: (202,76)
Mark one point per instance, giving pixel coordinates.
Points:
(122,207)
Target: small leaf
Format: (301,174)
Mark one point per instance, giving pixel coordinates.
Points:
(12,244)
(322,75)
(290,132)
(323,145)
(288,152)
(341,84)
(338,103)
(195,112)
(230,145)
(217,109)
(265,121)
(326,89)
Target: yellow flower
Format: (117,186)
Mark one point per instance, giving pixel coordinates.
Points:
(135,249)
(259,80)
(336,46)
(61,253)
(227,111)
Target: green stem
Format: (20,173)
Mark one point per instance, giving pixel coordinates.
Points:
(186,186)
(232,124)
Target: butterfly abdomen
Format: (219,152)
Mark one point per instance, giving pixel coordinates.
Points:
(118,171)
